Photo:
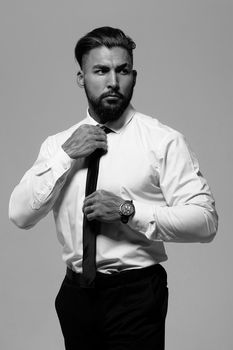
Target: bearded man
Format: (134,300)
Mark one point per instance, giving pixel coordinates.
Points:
(120,184)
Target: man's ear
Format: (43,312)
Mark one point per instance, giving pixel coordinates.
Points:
(134,77)
(80,79)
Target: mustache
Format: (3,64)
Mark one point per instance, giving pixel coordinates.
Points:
(111,94)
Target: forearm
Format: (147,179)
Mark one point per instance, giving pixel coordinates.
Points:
(189,223)
(37,192)
(22,212)
(183,223)
(28,205)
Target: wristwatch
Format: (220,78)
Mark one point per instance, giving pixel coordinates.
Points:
(126,210)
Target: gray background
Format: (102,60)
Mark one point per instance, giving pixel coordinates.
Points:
(184,62)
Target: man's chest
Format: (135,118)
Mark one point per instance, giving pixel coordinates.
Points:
(129,169)
(129,164)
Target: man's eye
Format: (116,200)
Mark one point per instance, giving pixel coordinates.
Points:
(100,71)
(124,71)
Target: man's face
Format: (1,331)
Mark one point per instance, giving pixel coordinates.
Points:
(108,78)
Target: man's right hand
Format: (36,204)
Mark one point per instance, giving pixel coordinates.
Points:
(84,141)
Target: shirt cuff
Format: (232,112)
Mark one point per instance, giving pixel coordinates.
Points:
(143,220)
(61,162)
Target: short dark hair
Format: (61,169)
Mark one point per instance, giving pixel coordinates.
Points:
(103,36)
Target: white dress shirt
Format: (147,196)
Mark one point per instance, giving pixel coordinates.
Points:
(147,162)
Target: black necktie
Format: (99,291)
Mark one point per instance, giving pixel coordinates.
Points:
(91,228)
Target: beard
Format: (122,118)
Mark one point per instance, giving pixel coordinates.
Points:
(109,109)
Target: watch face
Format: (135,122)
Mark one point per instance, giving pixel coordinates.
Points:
(127,208)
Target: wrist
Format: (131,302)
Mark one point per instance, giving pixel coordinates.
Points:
(126,211)
(67,151)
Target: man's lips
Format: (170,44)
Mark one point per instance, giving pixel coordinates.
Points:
(112,96)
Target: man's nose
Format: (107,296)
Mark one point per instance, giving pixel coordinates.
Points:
(113,80)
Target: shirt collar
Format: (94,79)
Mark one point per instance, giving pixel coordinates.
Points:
(119,124)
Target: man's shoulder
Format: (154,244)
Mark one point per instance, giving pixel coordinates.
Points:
(154,127)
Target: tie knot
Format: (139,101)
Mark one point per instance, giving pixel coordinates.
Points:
(106,129)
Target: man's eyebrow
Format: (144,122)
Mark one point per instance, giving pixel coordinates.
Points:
(123,65)
(120,66)
(99,66)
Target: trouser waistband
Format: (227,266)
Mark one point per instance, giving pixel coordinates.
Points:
(118,278)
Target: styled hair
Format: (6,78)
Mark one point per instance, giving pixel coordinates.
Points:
(103,36)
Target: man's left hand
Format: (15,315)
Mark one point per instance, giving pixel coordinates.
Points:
(102,206)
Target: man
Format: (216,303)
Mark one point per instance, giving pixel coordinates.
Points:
(149,191)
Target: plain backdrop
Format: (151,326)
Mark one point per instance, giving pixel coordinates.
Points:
(184,59)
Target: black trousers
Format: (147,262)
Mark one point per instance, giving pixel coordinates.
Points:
(125,311)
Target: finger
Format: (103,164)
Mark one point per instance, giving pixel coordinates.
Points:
(91,216)
(99,137)
(91,212)
(92,195)
(98,131)
(92,147)
(88,202)
(100,128)
(100,144)
(91,130)
(88,210)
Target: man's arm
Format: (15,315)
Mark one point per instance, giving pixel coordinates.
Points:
(190,214)
(34,196)
(40,187)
